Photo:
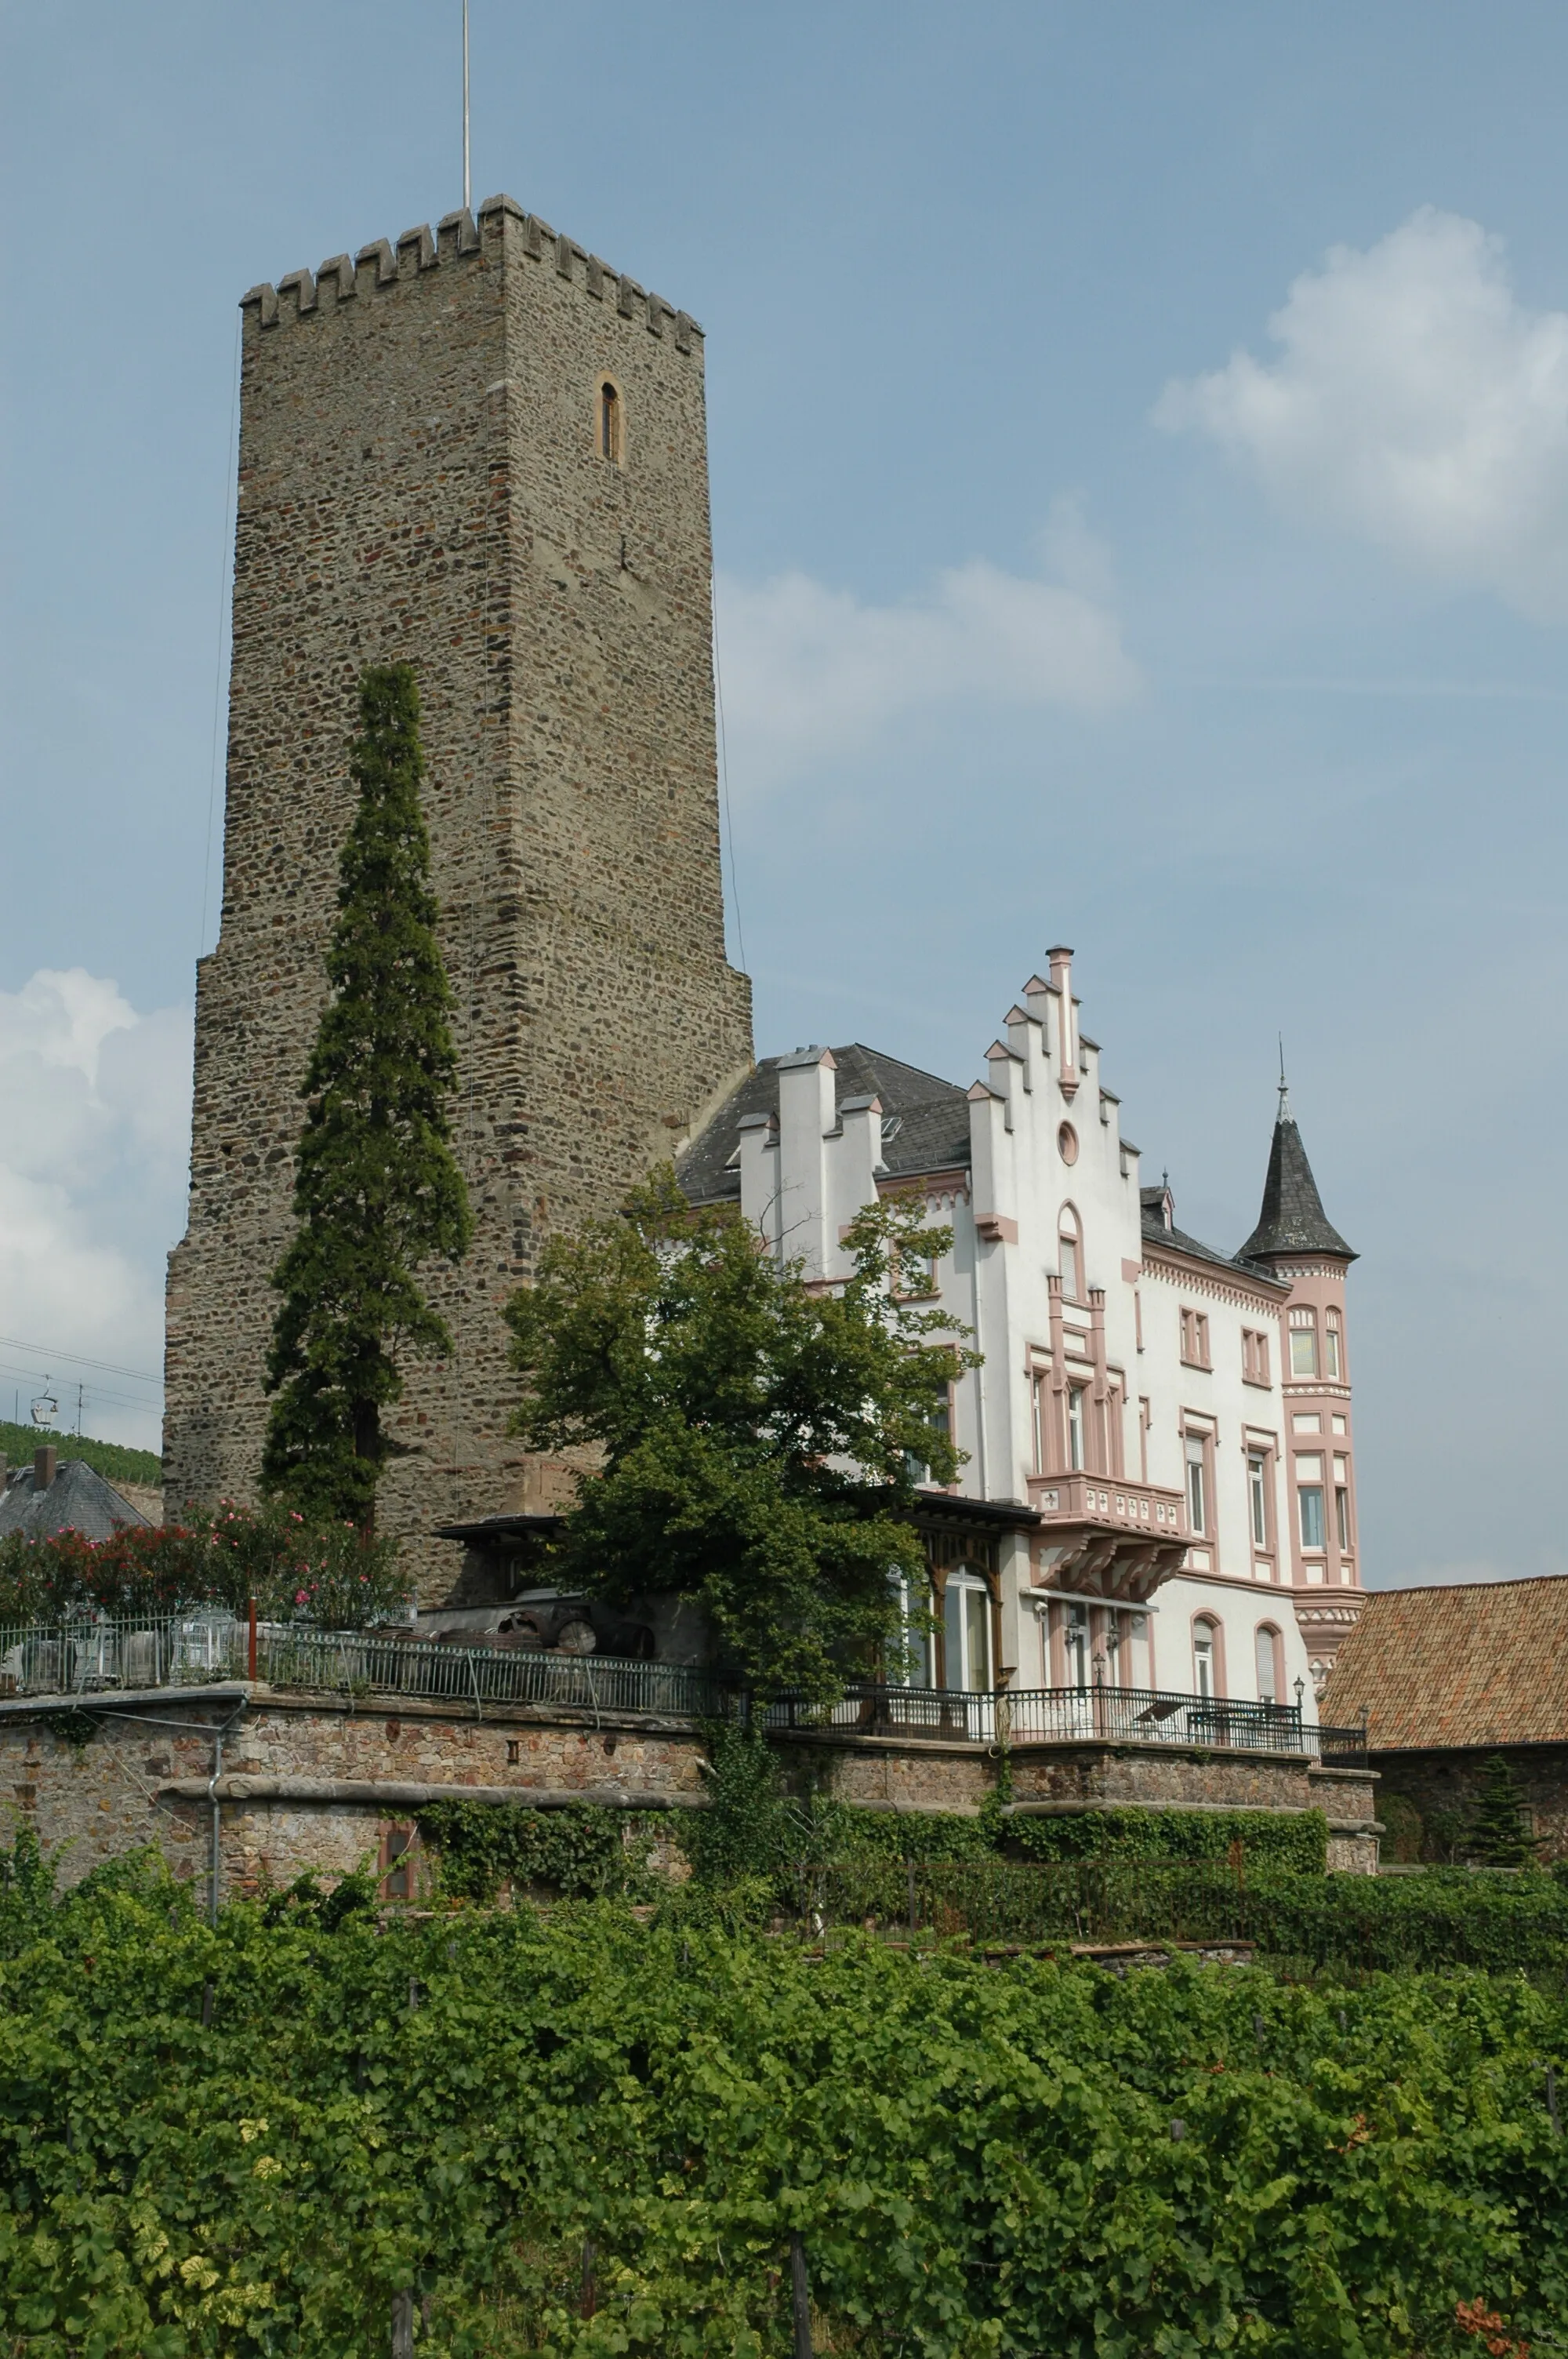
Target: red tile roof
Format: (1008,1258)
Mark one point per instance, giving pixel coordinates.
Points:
(1482,1663)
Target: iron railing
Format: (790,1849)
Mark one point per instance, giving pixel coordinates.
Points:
(83,1658)
(1069,1715)
(92,1656)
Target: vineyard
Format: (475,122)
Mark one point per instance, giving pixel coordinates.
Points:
(586,2131)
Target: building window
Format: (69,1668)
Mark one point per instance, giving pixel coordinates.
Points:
(1254,1356)
(940,1421)
(609,436)
(1194,1339)
(967,1633)
(1076,1644)
(1342,1517)
(1072,1266)
(1198,1483)
(1067,1143)
(1257,1495)
(1037,1413)
(1267,1659)
(397,1864)
(1205,1668)
(1140,1666)
(1303,1343)
(1076,1429)
(910,1665)
(1333,1358)
(1309,1500)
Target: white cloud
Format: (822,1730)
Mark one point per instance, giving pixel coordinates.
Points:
(94,1139)
(1416,403)
(810,672)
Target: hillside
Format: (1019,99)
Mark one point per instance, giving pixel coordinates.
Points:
(111,1459)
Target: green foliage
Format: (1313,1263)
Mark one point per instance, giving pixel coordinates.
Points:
(328,1574)
(1298,1842)
(583,2136)
(113,1460)
(579,1853)
(752,1437)
(744,1830)
(377,1189)
(1499,1831)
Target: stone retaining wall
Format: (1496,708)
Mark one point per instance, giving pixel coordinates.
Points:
(316,1782)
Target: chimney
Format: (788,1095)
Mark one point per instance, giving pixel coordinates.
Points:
(43,1468)
(1061,960)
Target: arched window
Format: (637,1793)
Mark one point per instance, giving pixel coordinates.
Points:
(1270,1665)
(1206,1666)
(1070,1246)
(610,444)
(967,1631)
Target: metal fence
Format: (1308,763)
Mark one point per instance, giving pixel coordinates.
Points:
(1066,1715)
(86,1658)
(90,1656)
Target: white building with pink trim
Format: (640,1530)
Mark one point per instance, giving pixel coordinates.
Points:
(1160,1489)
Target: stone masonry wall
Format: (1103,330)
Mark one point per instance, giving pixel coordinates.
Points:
(1444,1788)
(420,480)
(314,1783)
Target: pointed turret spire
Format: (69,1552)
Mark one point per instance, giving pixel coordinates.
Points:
(1292,1220)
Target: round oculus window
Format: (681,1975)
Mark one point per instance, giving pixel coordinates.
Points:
(1067,1143)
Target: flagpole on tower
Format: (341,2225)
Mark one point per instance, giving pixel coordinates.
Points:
(467,190)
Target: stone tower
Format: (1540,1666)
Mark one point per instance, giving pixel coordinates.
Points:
(483,452)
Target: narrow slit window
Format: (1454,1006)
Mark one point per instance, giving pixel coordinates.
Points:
(609,423)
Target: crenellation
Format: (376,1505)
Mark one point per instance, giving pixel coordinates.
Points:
(421,244)
(264,299)
(458,232)
(341,269)
(303,287)
(380,253)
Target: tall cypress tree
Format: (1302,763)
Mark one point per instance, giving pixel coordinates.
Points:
(377,1189)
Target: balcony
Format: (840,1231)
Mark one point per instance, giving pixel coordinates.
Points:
(1102,1715)
(1114,1538)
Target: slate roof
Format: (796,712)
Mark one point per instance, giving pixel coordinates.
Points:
(1292,1220)
(77,1500)
(1154,1229)
(1484,1663)
(925,1121)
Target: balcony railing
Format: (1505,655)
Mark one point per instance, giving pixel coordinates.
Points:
(1110,1500)
(88,1658)
(1075,1715)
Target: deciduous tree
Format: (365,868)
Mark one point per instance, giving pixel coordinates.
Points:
(753,1440)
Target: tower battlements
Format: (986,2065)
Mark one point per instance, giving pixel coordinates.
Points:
(456,238)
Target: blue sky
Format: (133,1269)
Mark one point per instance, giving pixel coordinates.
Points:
(1140,446)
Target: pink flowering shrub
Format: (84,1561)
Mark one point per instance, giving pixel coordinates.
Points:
(328,1574)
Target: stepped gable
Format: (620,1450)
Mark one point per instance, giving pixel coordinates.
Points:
(1292,1220)
(80,1499)
(925,1121)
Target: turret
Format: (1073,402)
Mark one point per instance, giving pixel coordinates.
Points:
(1296,1242)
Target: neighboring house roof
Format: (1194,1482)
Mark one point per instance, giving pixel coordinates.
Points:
(77,1500)
(925,1121)
(1483,1663)
(1292,1220)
